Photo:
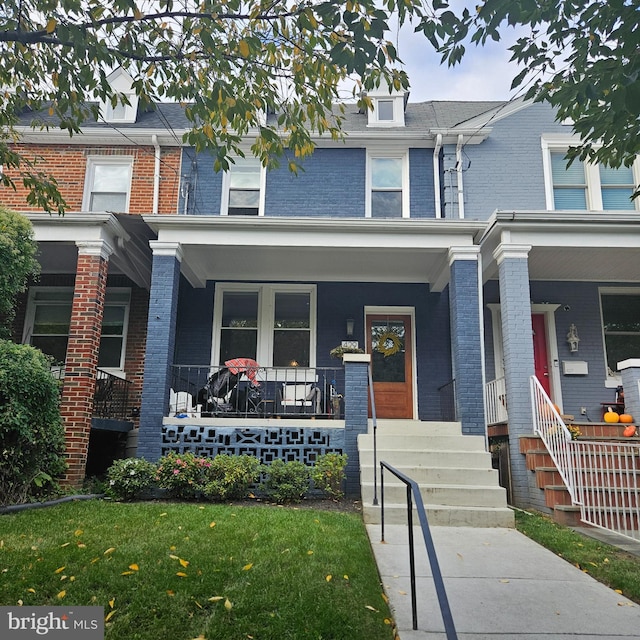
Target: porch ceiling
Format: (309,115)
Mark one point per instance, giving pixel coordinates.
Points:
(303,250)
(569,246)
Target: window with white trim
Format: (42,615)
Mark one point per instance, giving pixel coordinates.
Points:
(242,192)
(583,186)
(49,316)
(273,324)
(388,191)
(108,184)
(620,326)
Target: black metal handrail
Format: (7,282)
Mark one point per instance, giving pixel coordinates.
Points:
(292,392)
(447,393)
(413,489)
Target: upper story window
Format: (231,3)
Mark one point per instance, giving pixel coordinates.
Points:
(49,316)
(587,187)
(621,328)
(388,191)
(242,193)
(273,324)
(385,110)
(108,184)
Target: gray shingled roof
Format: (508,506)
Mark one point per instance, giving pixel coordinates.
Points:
(419,117)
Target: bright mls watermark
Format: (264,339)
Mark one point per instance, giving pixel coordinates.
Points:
(52,623)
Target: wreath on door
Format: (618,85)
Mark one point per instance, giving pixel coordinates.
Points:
(389,343)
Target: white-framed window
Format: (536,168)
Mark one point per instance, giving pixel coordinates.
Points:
(388,110)
(49,315)
(107,185)
(273,324)
(243,188)
(620,309)
(584,186)
(387,184)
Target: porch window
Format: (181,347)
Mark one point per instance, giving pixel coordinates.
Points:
(273,324)
(108,184)
(242,192)
(387,189)
(621,326)
(49,317)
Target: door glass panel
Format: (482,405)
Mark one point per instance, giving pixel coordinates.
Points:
(388,342)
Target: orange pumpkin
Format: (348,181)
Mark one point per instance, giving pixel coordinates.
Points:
(611,416)
(626,418)
(629,431)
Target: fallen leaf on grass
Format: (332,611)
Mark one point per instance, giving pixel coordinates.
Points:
(184,563)
(368,606)
(109,615)
(212,524)
(247,567)
(181,574)
(31,590)
(66,544)
(59,570)
(109,551)
(134,567)
(227,605)
(61,595)
(216,598)
(112,602)
(78,532)
(329,578)
(170,592)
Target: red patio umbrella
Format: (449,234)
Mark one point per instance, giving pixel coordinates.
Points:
(244,365)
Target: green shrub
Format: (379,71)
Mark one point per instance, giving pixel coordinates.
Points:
(183,475)
(31,429)
(329,472)
(229,477)
(286,481)
(131,478)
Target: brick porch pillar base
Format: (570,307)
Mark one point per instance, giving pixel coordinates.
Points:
(82,355)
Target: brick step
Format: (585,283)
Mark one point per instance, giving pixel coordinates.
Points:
(547,476)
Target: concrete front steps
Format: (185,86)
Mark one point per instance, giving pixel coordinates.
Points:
(457,483)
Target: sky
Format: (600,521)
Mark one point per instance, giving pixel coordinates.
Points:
(484,74)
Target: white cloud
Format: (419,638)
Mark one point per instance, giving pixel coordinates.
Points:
(485,72)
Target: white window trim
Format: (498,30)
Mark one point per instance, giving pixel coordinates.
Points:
(611,382)
(266,309)
(398,112)
(31,313)
(92,161)
(402,155)
(226,186)
(130,110)
(592,173)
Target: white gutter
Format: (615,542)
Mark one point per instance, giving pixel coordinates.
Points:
(156,173)
(459,171)
(436,174)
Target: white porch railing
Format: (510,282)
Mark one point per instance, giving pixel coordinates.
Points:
(601,477)
(495,393)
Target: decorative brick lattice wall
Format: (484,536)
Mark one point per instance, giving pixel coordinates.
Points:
(304,444)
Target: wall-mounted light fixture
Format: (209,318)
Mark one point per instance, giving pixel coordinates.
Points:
(350,326)
(572,338)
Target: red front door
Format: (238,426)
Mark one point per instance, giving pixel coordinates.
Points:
(540,351)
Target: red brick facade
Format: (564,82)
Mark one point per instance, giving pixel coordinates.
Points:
(82,361)
(67,163)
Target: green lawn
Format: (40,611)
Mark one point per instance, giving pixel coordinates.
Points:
(184,571)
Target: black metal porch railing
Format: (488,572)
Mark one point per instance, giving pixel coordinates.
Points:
(111,396)
(447,393)
(413,491)
(296,392)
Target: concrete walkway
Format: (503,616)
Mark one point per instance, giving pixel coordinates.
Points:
(500,584)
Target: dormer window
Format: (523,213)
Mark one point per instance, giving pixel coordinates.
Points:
(121,112)
(121,83)
(385,110)
(388,107)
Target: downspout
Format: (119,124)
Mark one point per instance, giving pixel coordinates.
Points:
(459,171)
(436,175)
(156,173)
